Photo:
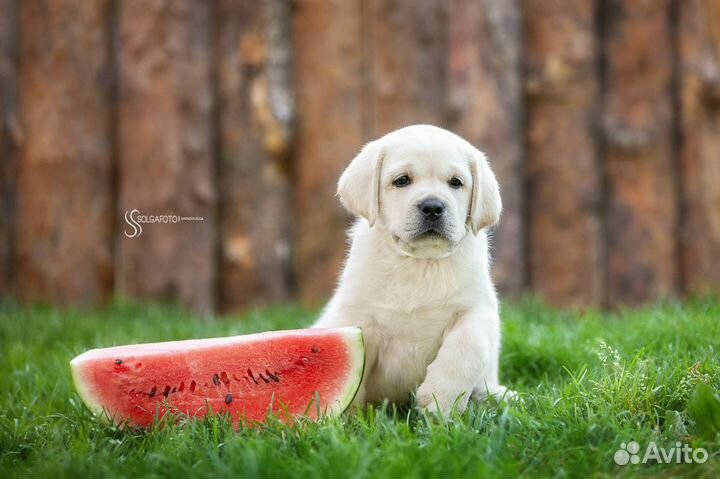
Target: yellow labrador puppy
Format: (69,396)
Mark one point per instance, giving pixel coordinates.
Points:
(417,279)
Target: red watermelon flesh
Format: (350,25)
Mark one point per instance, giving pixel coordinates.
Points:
(242,375)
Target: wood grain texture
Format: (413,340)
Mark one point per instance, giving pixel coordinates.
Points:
(256,120)
(10,136)
(601,119)
(564,187)
(329,68)
(65,215)
(166,151)
(699,41)
(407,61)
(485,108)
(639,151)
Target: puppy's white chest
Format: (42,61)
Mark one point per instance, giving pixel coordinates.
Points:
(403,349)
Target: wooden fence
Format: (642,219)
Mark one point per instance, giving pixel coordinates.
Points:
(601,119)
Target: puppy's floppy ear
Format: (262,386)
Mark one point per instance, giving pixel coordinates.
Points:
(359,185)
(485,204)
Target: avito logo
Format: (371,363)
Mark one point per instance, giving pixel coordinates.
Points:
(682,453)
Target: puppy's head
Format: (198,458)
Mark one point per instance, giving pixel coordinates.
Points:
(425,186)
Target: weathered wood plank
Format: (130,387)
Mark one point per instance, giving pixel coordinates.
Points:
(65,214)
(166,150)
(329,53)
(638,151)
(699,49)
(408,44)
(9,138)
(256,109)
(485,105)
(564,190)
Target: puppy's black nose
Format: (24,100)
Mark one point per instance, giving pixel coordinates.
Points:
(432,209)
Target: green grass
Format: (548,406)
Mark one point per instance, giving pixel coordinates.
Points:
(589,381)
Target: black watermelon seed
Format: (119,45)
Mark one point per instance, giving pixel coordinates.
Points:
(315,350)
(228,399)
(118,361)
(152,392)
(216,380)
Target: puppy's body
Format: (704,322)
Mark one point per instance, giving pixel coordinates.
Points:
(419,289)
(405,306)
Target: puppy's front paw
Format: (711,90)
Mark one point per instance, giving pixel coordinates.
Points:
(441,399)
(500,393)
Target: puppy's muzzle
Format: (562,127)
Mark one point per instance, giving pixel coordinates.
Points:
(431,209)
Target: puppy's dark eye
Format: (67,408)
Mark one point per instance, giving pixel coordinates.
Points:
(455,182)
(401,181)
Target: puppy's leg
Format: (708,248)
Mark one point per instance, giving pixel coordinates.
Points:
(488,384)
(468,356)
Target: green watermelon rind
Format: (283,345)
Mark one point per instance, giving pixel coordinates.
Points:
(83,389)
(358,352)
(351,335)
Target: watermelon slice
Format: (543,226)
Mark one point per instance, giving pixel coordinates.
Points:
(296,372)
